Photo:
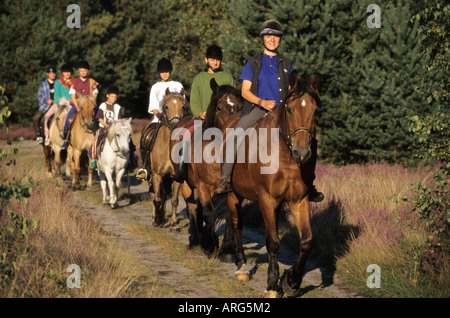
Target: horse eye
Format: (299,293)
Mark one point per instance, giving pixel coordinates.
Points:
(289,110)
(219,109)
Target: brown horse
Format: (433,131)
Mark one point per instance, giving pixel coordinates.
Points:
(81,137)
(203,176)
(55,133)
(48,153)
(157,156)
(295,121)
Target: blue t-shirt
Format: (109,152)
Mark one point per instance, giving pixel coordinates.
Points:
(268,87)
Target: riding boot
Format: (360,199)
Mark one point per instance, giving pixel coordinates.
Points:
(181,172)
(308,174)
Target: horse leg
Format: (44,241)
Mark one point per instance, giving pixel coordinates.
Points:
(234,205)
(174,201)
(302,216)
(57,162)
(48,161)
(76,168)
(210,241)
(89,182)
(112,187)
(195,217)
(268,206)
(103,185)
(158,203)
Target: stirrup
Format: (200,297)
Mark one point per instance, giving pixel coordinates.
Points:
(142,174)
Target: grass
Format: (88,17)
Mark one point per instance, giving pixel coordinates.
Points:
(35,264)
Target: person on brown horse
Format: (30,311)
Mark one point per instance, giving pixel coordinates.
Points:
(201,92)
(83,85)
(157,93)
(265,83)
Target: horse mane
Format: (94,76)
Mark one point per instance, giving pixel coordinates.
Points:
(63,105)
(118,124)
(86,99)
(211,110)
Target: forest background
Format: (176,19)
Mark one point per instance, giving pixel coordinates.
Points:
(373,78)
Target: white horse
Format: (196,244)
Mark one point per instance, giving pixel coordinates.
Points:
(113,159)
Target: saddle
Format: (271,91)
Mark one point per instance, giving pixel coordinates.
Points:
(148,139)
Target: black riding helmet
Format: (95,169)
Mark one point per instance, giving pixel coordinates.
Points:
(113,89)
(66,68)
(164,65)
(84,64)
(214,52)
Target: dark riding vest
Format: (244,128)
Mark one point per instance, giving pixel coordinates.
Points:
(283,67)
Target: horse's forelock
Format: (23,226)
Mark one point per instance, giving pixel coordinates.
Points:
(118,124)
(167,97)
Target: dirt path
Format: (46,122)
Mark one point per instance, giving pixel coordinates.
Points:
(179,277)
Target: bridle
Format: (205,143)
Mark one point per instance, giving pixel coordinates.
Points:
(168,122)
(118,152)
(83,121)
(287,137)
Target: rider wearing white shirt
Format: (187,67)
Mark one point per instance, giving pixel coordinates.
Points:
(158,90)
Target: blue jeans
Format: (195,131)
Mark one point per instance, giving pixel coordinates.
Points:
(72,111)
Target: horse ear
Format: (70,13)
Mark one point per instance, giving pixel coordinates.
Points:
(239,87)
(316,82)
(182,91)
(214,86)
(167,91)
(293,80)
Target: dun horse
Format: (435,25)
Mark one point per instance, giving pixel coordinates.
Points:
(113,159)
(225,101)
(81,137)
(295,120)
(156,157)
(55,133)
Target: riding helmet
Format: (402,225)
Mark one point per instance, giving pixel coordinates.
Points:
(164,65)
(84,64)
(214,52)
(66,68)
(271,27)
(113,89)
(51,69)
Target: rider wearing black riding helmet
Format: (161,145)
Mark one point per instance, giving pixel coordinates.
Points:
(265,84)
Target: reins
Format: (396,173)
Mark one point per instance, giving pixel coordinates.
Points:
(287,137)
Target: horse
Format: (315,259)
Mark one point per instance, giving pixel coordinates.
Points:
(294,120)
(81,137)
(113,159)
(156,157)
(56,133)
(203,176)
(48,153)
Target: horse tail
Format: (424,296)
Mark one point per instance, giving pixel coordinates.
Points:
(214,218)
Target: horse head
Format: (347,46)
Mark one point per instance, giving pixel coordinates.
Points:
(173,106)
(225,101)
(87,106)
(119,136)
(299,116)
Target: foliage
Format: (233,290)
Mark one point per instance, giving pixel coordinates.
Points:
(369,75)
(431,132)
(13,227)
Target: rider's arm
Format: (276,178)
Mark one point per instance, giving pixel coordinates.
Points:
(252,98)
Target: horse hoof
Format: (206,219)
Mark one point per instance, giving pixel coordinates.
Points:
(287,289)
(271,294)
(242,276)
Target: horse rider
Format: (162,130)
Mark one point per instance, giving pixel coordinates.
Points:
(200,98)
(157,92)
(82,85)
(265,83)
(61,90)
(45,97)
(108,112)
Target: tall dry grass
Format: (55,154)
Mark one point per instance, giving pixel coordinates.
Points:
(360,223)
(38,261)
